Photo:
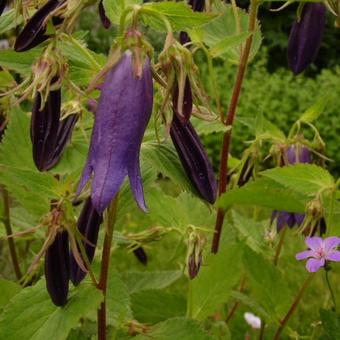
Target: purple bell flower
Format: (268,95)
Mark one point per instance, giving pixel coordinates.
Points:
(123,113)
(298,154)
(305,37)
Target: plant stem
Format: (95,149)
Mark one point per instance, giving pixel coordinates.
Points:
(230,120)
(9,232)
(237,303)
(279,246)
(293,307)
(189,306)
(330,289)
(102,284)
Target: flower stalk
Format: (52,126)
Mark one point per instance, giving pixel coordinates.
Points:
(230,120)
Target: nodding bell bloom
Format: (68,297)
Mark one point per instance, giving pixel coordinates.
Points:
(294,154)
(34,33)
(305,37)
(141,255)
(124,110)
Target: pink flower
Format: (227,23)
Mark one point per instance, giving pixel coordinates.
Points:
(321,250)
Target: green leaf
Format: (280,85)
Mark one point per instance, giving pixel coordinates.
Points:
(31,314)
(31,188)
(115,8)
(9,20)
(19,62)
(203,127)
(269,287)
(216,278)
(117,300)
(179,14)
(266,130)
(330,324)
(138,281)
(8,289)
(176,328)
(152,306)
(307,179)
(315,110)
(222,31)
(163,158)
(264,192)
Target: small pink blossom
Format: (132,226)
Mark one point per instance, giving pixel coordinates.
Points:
(320,251)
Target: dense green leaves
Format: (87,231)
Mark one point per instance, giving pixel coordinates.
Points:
(330,324)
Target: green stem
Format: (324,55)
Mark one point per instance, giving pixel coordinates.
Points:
(330,289)
(102,284)
(189,304)
(292,308)
(9,232)
(230,120)
(279,246)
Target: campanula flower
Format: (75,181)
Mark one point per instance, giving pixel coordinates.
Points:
(320,251)
(124,110)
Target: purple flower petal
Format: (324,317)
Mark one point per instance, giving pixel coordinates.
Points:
(299,218)
(333,256)
(304,255)
(313,265)
(331,242)
(314,242)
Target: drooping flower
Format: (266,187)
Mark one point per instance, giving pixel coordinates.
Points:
(141,255)
(124,110)
(305,37)
(320,251)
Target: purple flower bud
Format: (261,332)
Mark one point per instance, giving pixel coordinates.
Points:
(305,37)
(193,266)
(187,102)
(104,19)
(194,159)
(33,33)
(124,110)
(298,154)
(88,224)
(141,255)
(57,269)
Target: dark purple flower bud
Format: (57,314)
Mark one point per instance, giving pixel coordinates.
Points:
(298,217)
(33,33)
(298,154)
(88,224)
(104,19)
(3,4)
(141,255)
(283,219)
(194,159)
(57,269)
(49,135)
(124,110)
(186,110)
(194,266)
(44,128)
(305,37)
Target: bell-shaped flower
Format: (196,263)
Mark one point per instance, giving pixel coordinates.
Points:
(123,113)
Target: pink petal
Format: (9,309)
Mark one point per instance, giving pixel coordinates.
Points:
(304,255)
(333,256)
(313,265)
(331,242)
(314,242)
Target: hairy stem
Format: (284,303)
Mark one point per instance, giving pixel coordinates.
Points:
(292,308)
(230,120)
(330,289)
(9,232)
(102,284)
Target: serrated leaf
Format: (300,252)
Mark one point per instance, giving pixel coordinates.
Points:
(8,289)
(268,285)
(163,158)
(307,179)
(19,62)
(31,314)
(152,306)
(138,281)
(313,113)
(203,127)
(115,8)
(179,14)
(216,278)
(176,328)
(264,192)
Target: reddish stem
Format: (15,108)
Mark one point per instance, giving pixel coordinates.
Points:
(223,181)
